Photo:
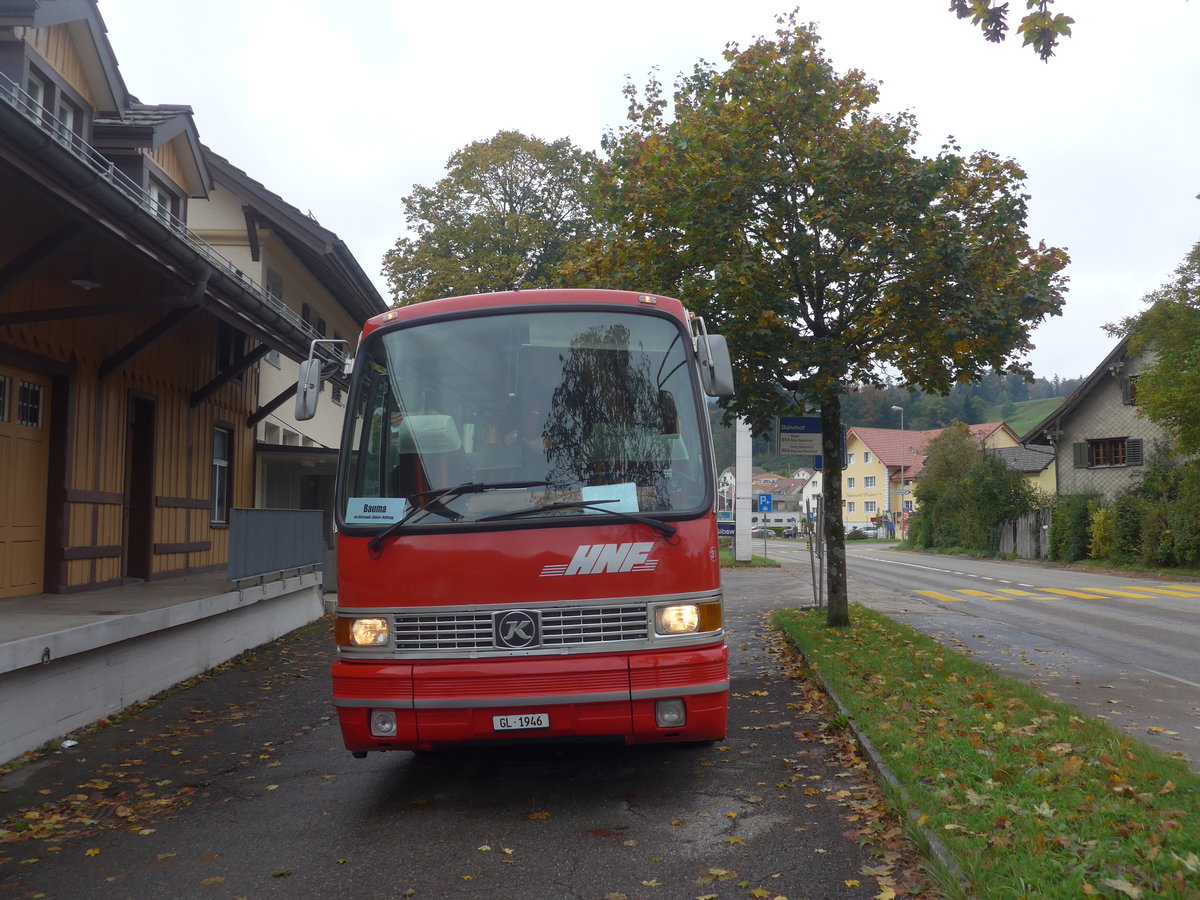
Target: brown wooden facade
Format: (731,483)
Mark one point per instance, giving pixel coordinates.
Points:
(121,389)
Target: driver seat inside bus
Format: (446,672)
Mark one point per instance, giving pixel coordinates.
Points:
(430,454)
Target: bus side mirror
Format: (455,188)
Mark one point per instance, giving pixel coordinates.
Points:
(308,389)
(716,373)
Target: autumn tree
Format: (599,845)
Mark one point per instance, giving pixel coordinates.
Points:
(504,216)
(805,228)
(1039,27)
(1168,390)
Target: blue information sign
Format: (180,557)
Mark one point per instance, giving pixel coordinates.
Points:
(800,435)
(764,502)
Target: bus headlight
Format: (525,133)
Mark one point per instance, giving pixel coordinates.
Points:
(687,618)
(366,632)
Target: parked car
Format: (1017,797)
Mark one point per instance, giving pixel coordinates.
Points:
(761,532)
(791,531)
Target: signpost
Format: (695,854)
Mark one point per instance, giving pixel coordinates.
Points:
(800,435)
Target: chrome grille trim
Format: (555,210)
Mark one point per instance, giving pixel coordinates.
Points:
(447,631)
(561,627)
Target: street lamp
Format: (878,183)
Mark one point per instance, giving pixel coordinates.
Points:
(900,409)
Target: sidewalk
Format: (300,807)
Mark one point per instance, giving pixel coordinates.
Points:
(67,660)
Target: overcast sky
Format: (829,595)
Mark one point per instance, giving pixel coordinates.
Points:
(341,108)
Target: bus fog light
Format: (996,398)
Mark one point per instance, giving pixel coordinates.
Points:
(670,713)
(682,619)
(383,723)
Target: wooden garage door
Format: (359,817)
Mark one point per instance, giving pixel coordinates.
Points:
(24,457)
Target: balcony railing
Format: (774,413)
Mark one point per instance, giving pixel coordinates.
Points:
(61,132)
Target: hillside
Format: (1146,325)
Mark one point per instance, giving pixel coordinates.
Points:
(1028,413)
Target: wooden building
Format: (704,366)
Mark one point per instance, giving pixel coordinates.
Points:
(130,391)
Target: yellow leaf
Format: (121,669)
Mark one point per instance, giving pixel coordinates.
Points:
(272,787)
(733,840)
(539,815)
(653,882)
(886,894)
(94,851)
(760,893)
(851,882)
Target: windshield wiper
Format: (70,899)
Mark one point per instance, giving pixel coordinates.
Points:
(666,528)
(436,504)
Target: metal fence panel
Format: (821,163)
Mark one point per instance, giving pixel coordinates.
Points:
(266,541)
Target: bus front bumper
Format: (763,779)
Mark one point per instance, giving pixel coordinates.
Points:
(663,696)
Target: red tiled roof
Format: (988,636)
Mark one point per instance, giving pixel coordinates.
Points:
(895,447)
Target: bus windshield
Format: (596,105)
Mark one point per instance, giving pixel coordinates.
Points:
(459,420)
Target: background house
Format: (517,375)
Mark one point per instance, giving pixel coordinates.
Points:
(873,491)
(1099,438)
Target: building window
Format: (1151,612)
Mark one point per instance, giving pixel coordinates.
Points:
(29,405)
(35,87)
(231,347)
(274,284)
(869,481)
(336,392)
(850,506)
(1129,390)
(222,454)
(162,204)
(866,456)
(850,484)
(68,120)
(1108,452)
(849,459)
(869,506)
(908,504)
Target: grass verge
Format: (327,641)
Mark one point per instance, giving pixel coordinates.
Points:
(1031,798)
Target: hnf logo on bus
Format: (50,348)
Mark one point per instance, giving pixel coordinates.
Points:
(595,559)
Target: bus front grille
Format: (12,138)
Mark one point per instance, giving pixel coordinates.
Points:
(560,627)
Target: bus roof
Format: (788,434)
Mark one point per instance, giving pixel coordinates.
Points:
(517,299)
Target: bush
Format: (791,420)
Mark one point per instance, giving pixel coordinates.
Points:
(1129,514)
(1103,543)
(1070,531)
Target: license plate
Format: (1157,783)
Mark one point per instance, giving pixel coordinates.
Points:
(521,722)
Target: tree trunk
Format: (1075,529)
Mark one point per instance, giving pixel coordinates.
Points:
(835,533)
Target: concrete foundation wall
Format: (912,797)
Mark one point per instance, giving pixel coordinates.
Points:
(135,656)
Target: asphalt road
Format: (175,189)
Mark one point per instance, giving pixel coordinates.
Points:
(237,786)
(1120,647)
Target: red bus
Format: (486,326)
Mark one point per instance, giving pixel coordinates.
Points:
(527,548)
